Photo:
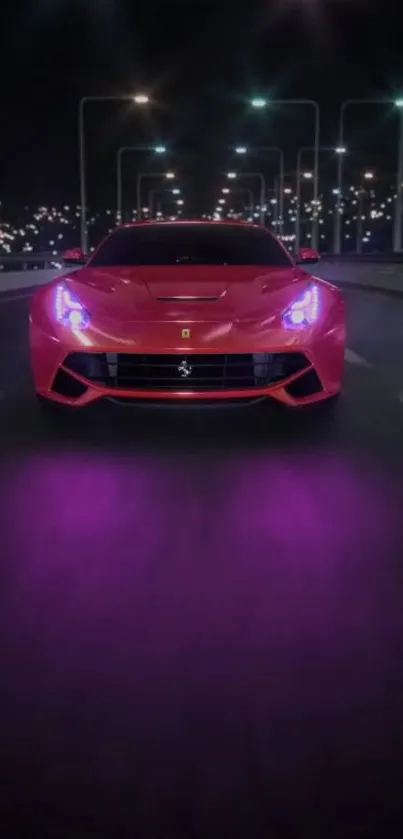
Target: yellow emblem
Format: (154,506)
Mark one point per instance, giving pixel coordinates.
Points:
(185,333)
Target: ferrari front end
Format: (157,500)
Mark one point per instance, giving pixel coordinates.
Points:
(276,334)
(293,364)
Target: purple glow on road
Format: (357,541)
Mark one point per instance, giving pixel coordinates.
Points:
(192,633)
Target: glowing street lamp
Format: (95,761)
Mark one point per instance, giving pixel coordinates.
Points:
(241,150)
(341,150)
(225,190)
(141,99)
(368,175)
(232,175)
(170,176)
(307,175)
(258,102)
(160,149)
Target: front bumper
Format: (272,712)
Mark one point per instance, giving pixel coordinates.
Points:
(294,369)
(290,378)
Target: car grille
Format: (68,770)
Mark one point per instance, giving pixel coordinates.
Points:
(193,372)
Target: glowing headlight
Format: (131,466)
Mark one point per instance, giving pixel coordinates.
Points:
(304,311)
(69,311)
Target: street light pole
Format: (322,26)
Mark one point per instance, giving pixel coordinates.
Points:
(315,230)
(298,211)
(83,191)
(138,99)
(249,193)
(262,195)
(119,217)
(168,175)
(298,195)
(360,212)
(259,102)
(397,232)
(339,150)
(262,179)
(281,180)
(138,196)
(119,191)
(316,147)
(344,105)
(153,192)
(151,195)
(298,217)
(280,152)
(281,197)
(243,189)
(368,175)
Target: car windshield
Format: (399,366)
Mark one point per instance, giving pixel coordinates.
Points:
(193,244)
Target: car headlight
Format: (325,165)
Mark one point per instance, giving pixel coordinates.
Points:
(69,311)
(304,311)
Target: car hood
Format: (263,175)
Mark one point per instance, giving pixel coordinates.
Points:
(199,293)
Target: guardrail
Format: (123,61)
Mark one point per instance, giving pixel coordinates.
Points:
(376,272)
(385,258)
(30,261)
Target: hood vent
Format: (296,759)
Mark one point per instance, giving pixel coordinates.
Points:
(188,299)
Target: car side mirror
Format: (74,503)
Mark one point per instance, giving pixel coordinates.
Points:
(307,256)
(74,256)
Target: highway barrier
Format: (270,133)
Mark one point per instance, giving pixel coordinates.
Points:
(14,280)
(377,276)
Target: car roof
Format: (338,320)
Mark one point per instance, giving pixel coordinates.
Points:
(190,222)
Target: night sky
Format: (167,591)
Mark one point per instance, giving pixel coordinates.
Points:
(200,60)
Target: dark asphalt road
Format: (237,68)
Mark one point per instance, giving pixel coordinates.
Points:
(201,615)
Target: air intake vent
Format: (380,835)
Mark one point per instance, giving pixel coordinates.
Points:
(182,299)
(306,385)
(67,385)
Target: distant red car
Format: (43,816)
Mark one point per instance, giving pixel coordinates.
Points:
(188,311)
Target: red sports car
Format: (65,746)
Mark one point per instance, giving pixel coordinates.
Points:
(188,311)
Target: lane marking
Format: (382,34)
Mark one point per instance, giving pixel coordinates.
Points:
(353,358)
(16,297)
